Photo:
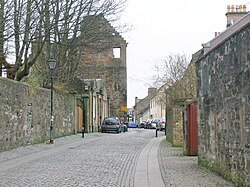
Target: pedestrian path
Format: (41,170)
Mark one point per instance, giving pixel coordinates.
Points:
(178,170)
(147,173)
(161,165)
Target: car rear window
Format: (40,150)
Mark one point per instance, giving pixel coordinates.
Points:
(112,120)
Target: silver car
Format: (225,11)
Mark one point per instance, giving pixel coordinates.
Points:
(154,123)
(162,124)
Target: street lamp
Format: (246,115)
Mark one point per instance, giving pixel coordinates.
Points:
(52,66)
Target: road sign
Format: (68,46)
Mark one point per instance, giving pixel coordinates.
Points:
(123,108)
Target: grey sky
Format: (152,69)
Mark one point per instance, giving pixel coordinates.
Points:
(163,27)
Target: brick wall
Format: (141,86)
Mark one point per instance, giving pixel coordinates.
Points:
(25,114)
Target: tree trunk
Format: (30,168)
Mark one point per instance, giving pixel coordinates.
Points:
(1,35)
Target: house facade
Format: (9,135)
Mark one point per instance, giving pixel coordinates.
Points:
(142,106)
(158,103)
(92,103)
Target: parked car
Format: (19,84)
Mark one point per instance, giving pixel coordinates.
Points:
(162,124)
(148,123)
(154,123)
(142,124)
(111,124)
(124,127)
(126,123)
(132,125)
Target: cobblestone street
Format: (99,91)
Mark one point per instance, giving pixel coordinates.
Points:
(105,160)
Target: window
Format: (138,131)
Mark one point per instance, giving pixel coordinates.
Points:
(117,52)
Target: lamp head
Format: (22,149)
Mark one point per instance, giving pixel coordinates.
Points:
(52,63)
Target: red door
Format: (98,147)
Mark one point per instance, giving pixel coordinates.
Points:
(192,130)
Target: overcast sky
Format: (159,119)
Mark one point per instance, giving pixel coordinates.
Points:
(163,27)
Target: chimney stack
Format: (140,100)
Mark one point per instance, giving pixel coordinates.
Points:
(136,100)
(235,13)
(151,91)
(216,34)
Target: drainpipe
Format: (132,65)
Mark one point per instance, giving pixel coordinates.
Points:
(92,114)
(83,117)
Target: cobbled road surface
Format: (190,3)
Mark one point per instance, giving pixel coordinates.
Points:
(98,160)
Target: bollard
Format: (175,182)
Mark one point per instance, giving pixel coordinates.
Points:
(83,132)
(156,132)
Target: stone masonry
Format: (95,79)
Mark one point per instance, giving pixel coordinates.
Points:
(104,64)
(25,114)
(224,104)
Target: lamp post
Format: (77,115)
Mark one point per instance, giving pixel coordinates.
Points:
(52,66)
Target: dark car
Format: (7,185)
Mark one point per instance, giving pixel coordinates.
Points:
(111,124)
(142,124)
(126,123)
(124,127)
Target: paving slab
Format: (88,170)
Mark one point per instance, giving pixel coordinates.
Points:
(147,173)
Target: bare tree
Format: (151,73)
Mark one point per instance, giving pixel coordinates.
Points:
(178,76)
(170,70)
(2,6)
(43,27)
(5,24)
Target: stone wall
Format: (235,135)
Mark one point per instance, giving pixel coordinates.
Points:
(224,108)
(174,127)
(102,64)
(25,114)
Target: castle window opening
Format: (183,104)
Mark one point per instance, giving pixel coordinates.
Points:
(117,52)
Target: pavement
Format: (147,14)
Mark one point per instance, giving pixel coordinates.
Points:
(160,165)
(147,171)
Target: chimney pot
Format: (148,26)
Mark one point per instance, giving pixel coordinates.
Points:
(228,8)
(237,8)
(244,8)
(235,14)
(232,8)
(240,8)
(136,100)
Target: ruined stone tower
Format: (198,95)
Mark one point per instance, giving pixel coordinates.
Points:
(105,58)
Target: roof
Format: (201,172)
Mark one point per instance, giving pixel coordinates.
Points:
(221,38)
(144,104)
